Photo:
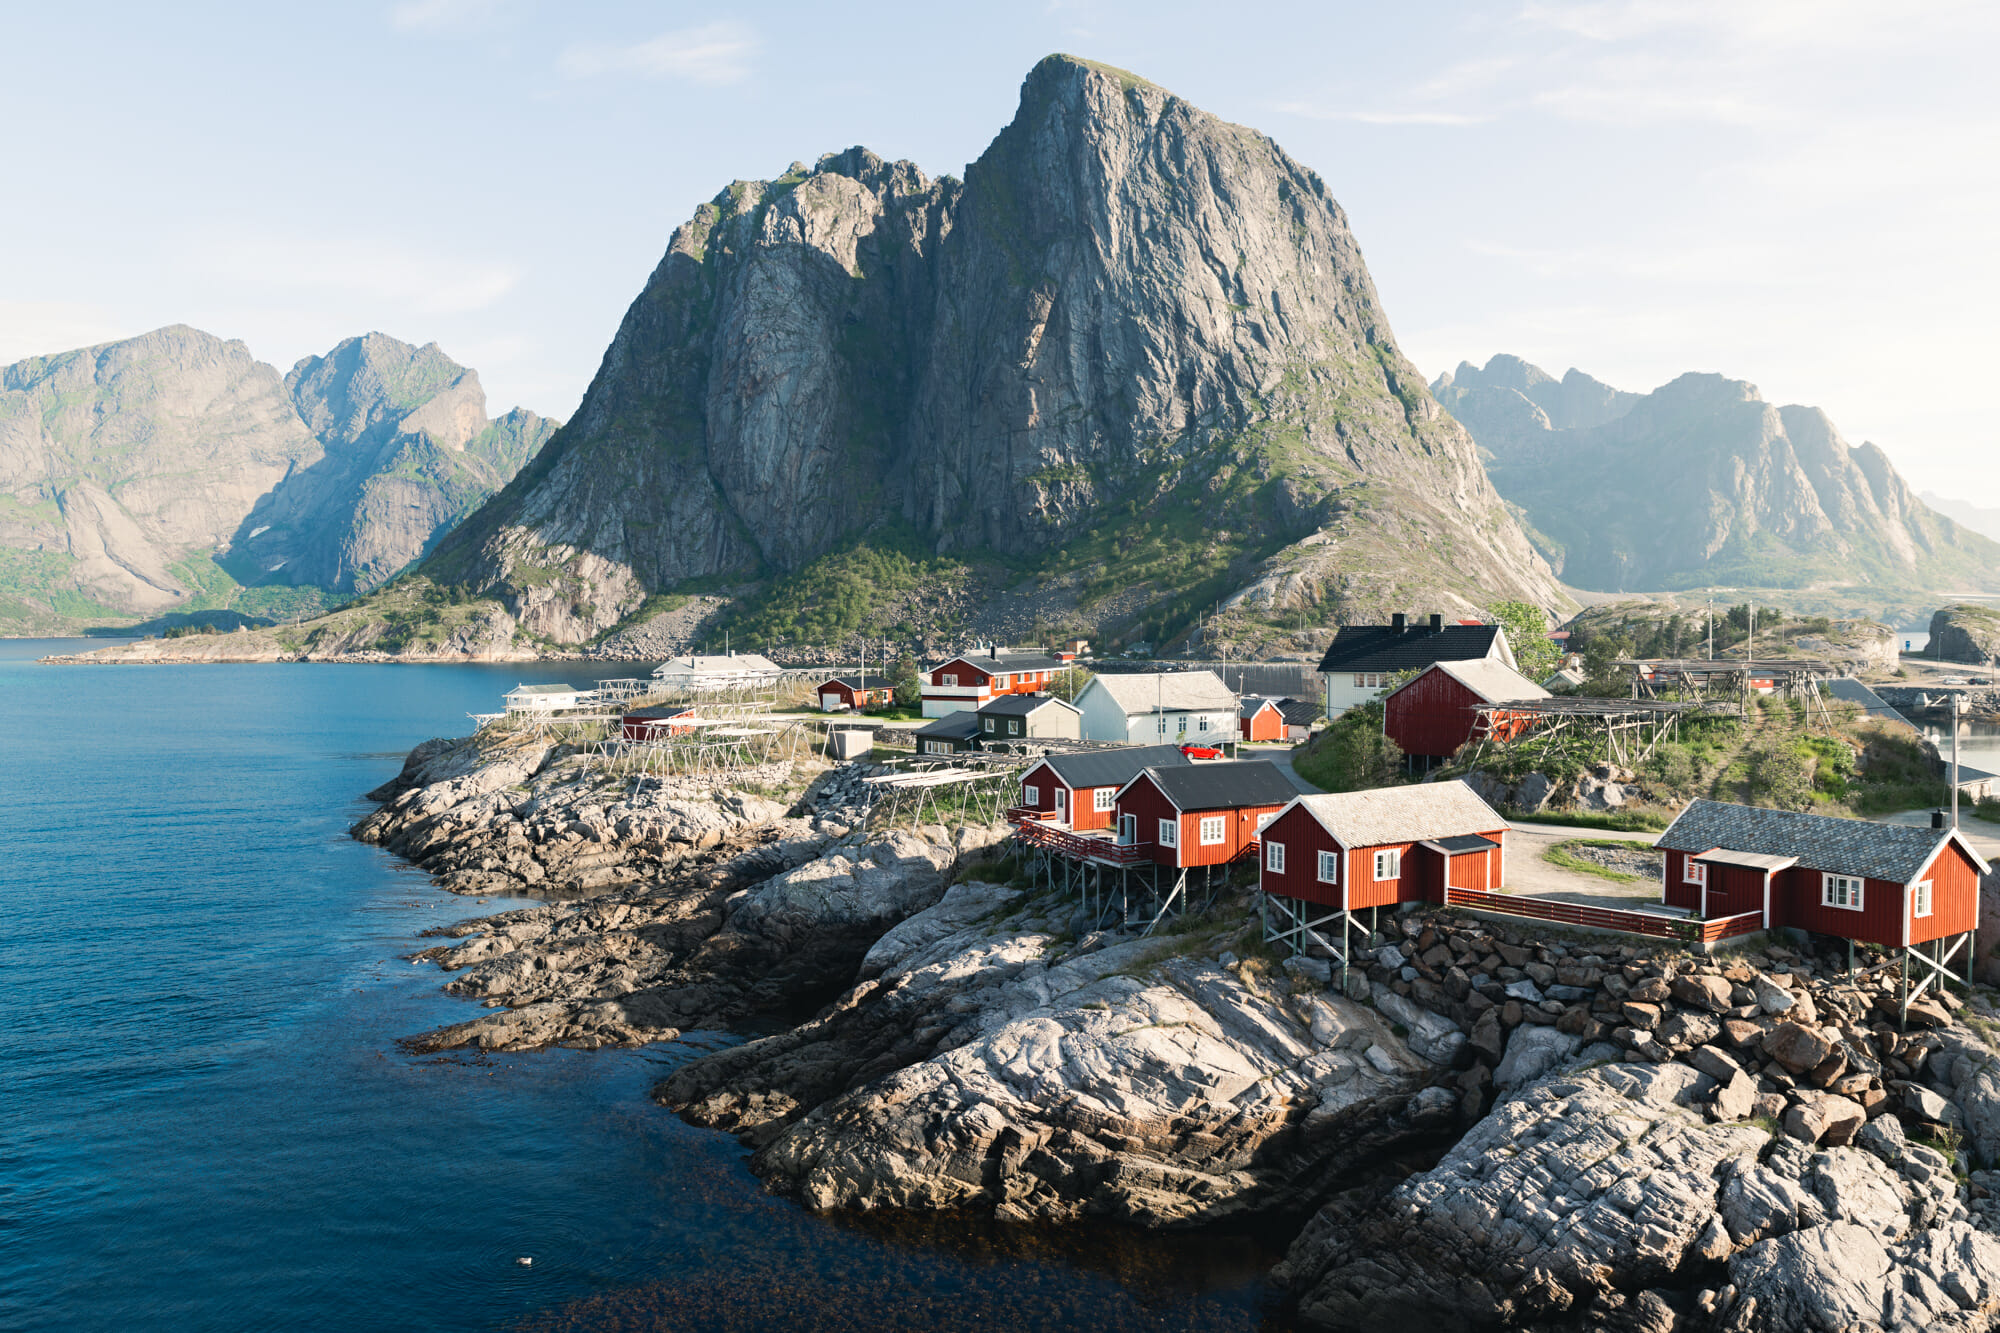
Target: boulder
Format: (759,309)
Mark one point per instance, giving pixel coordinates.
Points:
(1432,1036)
(1651,990)
(1736,1099)
(1797,1047)
(1702,992)
(1642,1016)
(1532,1052)
(1771,997)
(1825,1118)
(1844,1276)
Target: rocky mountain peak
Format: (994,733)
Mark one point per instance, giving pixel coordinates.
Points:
(1132,322)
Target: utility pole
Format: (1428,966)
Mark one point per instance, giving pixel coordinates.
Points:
(1956,701)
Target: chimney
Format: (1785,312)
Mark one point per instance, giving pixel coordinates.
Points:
(1437,623)
(1937,819)
(1397,622)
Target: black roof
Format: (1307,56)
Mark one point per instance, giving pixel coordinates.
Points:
(1112,768)
(1003,666)
(1253,704)
(959,726)
(1894,852)
(1299,712)
(1384,648)
(1020,705)
(1465,842)
(660,710)
(865,681)
(1224,786)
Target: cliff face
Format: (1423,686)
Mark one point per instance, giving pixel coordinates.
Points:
(133,474)
(1131,325)
(1703,482)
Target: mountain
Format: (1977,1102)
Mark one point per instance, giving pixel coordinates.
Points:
(1134,358)
(159,473)
(1701,482)
(1986,522)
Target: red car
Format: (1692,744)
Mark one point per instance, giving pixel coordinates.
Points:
(1201,752)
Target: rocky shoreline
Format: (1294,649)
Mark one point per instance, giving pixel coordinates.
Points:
(1631,1138)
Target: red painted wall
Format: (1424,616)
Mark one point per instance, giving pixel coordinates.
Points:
(649,728)
(967,676)
(1084,817)
(1954,897)
(1044,780)
(1432,715)
(1266,724)
(1150,805)
(1304,838)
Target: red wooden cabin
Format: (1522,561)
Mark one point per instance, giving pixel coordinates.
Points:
(1350,850)
(1260,720)
(1891,885)
(1203,814)
(656,723)
(1079,790)
(1432,715)
(857,691)
(973,681)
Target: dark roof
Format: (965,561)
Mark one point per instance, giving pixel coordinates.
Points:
(1382,648)
(1003,666)
(1465,842)
(865,681)
(1893,852)
(1224,786)
(1256,704)
(1299,712)
(1112,768)
(1020,705)
(661,710)
(960,726)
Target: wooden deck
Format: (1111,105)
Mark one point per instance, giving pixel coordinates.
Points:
(1659,925)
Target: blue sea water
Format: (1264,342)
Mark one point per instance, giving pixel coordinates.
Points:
(205,1122)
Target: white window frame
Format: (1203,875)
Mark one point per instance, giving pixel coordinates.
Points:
(999,682)
(1264,820)
(1694,872)
(1013,726)
(992,726)
(1274,857)
(1204,724)
(1388,865)
(1031,797)
(1214,830)
(1170,833)
(1103,798)
(1920,898)
(947,678)
(1834,887)
(1329,867)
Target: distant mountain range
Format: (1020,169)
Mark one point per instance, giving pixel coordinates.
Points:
(1985,521)
(175,472)
(1703,483)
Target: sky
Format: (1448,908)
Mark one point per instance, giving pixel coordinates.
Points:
(1800,193)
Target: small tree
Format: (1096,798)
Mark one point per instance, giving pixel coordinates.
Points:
(908,682)
(1351,754)
(1528,634)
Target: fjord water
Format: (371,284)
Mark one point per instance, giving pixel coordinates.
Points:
(205,1122)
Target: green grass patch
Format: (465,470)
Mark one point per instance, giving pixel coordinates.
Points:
(1561,855)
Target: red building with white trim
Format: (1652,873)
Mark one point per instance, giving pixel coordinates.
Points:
(1202,814)
(971,682)
(1351,850)
(1079,791)
(1432,715)
(1891,885)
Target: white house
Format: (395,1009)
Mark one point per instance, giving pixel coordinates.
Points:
(1158,708)
(541,698)
(1363,659)
(732,671)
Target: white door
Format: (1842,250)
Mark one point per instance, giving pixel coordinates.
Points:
(829,703)
(1062,805)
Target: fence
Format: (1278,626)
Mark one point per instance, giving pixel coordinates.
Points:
(1080,846)
(1686,930)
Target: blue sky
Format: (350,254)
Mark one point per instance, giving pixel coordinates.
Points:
(1801,194)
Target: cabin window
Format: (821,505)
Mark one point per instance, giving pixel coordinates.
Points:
(1214,828)
(1921,900)
(1013,726)
(1840,891)
(948,678)
(1368,680)
(1170,833)
(1204,724)
(1329,867)
(1388,865)
(1102,798)
(999,682)
(1264,820)
(1695,873)
(990,725)
(1031,797)
(1274,857)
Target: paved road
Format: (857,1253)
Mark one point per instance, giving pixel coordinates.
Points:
(1281,755)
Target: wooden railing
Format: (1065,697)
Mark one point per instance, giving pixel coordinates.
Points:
(1082,846)
(1685,929)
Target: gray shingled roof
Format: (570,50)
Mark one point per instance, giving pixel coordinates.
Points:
(1897,853)
(1223,786)
(962,725)
(1112,768)
(1425,812)
(1167,691)
(1021,705)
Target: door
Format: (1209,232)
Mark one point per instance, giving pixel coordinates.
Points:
(1062,805)
(1128,830)
(829,703)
